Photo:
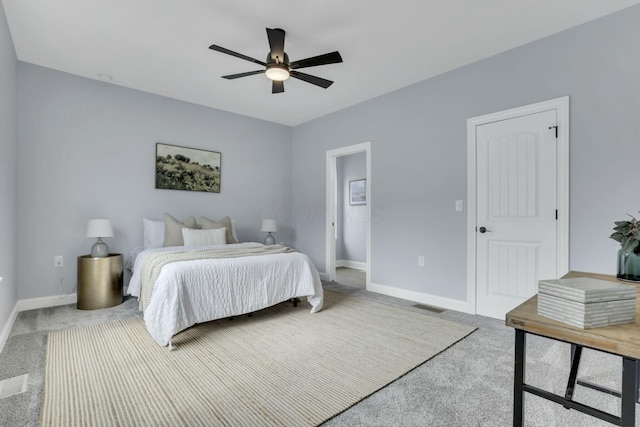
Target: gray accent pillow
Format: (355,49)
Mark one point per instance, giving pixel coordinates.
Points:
(173,230)
(225,222)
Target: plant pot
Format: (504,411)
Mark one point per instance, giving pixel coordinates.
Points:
(628,266)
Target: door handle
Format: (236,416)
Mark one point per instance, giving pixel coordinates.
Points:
(484,230)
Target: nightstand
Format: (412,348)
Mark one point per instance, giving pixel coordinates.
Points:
(99,282)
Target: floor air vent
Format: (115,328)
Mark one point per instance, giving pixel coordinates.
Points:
(428,308)
(15,385)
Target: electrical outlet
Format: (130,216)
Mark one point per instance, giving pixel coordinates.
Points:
(458,205)
(58,261)
(420,261)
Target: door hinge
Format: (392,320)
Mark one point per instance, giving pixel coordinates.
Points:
(556,128)
(556,214)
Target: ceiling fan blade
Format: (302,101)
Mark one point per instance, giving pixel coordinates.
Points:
(236,54)
(277,87)
(318,81)
(327,58)
(237,76)
(276,43)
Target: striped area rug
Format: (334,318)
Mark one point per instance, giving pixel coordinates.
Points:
(280,367)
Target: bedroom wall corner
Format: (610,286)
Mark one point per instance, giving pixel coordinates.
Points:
(87,150)
(8,179)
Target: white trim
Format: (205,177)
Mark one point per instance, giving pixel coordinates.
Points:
(330,220)
(419,297)
(561,105)
(356,265)
(53,301)
(330,238)
(4,335)
(33,304)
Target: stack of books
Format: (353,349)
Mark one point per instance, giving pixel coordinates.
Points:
(587,303)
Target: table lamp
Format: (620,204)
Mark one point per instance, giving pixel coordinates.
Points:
(269,226)
(99,228)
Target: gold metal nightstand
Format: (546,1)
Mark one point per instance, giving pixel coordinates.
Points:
(99,282)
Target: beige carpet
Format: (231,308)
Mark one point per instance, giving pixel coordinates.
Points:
(281,367)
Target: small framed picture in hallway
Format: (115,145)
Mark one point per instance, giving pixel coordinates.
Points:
(358,192)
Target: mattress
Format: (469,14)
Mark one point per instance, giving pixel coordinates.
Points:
(197,291)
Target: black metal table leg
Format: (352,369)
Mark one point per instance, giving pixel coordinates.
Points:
(629,391)
(638,381)
(596,386)
(576,353)
(628,395)
(518,378)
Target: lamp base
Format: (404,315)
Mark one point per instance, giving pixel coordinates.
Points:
(99,249)
(269,240)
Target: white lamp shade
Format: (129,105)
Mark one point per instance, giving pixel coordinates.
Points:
(269,226)
(99,228)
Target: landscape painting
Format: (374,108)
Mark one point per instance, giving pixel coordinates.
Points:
(191,169)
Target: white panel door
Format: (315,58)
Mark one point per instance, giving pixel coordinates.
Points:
(515,210)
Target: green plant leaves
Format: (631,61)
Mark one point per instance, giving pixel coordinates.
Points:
(617,236)
(628,234)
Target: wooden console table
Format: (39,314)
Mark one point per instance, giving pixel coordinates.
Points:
(620,340)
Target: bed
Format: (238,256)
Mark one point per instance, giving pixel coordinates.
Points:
(180,286)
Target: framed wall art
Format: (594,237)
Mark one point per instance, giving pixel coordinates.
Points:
(358,192)
(191,169)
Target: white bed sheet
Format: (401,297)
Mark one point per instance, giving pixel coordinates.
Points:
(197,291)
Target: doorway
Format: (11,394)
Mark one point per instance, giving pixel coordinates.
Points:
(518,204)
(336,189)
(351,219)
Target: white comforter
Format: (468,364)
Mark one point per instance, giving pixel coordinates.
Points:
(198,291)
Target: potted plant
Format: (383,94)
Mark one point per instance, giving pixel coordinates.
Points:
(628,234)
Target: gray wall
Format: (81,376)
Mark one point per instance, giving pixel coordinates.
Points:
(419,147)
(87,150)
(351,244)
(8,160)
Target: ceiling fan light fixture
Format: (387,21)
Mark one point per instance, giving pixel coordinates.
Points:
(277,66)
(277,72)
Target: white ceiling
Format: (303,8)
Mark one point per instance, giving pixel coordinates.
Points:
(161,46)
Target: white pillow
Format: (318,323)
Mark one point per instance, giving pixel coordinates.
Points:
(225,222)
(213,236)
(153,233)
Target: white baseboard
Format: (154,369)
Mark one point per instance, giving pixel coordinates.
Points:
(4,334)
(357,265)
(419,297)
(53,301)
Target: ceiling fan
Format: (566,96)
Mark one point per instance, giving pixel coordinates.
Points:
(277,65)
